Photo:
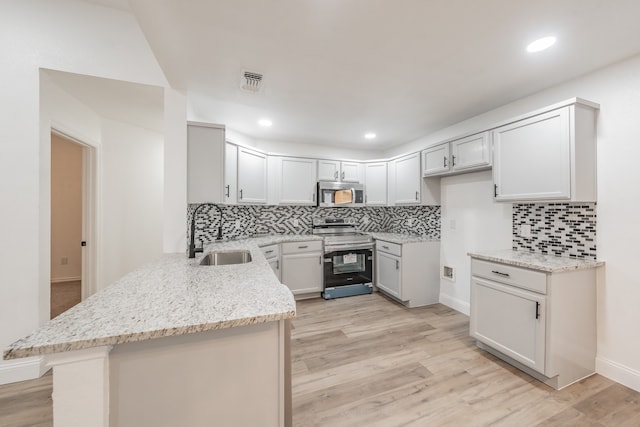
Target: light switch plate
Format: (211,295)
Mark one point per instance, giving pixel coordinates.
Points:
(525,230)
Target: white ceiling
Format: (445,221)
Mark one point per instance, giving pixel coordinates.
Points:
(335,69)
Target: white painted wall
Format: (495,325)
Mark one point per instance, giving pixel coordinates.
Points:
(471,221)
(63,35)
(617,89)
(132,198)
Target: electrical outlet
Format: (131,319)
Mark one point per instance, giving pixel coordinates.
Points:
(238,223)
(365,220)
(525,230)
(409,222)
(295,222)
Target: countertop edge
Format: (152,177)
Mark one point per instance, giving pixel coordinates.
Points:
(575,263)
(142,336)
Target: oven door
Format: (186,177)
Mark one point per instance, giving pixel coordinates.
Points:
(348,267)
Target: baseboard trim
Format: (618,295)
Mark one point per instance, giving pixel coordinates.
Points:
(619,373)
(455,303)
(12,371)
(66,279)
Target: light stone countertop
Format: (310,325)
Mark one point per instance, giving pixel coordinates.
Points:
(400,238)
(535,261)
(171,295)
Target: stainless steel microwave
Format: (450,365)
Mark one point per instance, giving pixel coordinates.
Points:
(340,194)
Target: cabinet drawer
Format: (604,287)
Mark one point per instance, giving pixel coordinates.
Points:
(296,247)
(521,277)
(390,248)
(271,251)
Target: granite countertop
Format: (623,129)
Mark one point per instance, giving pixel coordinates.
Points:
(402,238)
(535,261)
(171,295)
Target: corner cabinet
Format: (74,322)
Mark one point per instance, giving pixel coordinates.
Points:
(466,154)
(548,156)
(405,180)
(408,272)
(292,181)
(252,176)
(302,268)
(376,184)
(543,323)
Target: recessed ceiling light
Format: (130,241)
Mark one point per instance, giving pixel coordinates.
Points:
(541,44)
(370,135)
(265,122)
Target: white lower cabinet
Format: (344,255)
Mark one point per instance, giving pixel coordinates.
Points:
(542,323)
(302,268)
(272,254)
(408,272)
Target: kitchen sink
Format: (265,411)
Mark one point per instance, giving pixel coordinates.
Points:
(226,258)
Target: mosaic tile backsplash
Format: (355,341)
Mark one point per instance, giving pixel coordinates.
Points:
(244,221)
(562,229)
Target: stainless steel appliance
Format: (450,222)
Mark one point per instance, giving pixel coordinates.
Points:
(348,257)
(340,194)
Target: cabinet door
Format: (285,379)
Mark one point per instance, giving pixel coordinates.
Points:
(275,266)
(389,274)
(376,186)
(252,176)
(302,272)
(407,182)
(532,158)
(328,170)
(435,160)
(205,154)
(230,173)
(298,181)
(471,152)
(350,172)
(509,319)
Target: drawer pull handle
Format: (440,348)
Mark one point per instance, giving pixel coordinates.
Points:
(385,247)
(268,252)
(537,310)
(303,247)
(500,274)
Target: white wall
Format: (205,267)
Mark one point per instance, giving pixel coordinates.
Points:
(617,89)
(471,221)
(132,198)
(63,35)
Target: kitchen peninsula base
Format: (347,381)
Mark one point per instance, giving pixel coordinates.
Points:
(233,376)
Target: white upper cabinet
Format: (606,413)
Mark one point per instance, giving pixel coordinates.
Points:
(334,170)
(435,160)
(472,152)
(405,180)
(252,176)
(376,186)
(296,180)
(230,174)
(462,155)
(205,155)
(549,156)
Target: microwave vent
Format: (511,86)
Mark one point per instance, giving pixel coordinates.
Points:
(251,81)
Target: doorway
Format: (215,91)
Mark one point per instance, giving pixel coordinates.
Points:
(71,167)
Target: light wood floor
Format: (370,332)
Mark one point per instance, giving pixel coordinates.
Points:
(64,295)
(367,361)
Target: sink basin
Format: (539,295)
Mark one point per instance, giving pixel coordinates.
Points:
(226,258)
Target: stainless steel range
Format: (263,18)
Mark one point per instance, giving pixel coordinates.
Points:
(348,257)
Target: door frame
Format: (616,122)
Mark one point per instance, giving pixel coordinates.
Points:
(89,213)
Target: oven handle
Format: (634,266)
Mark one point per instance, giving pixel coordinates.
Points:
(347,248)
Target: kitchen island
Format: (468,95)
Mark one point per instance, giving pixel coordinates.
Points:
(174,343)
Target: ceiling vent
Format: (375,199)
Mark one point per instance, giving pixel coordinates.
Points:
(251,81)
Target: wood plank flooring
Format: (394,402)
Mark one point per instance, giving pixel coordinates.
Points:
(368,361)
